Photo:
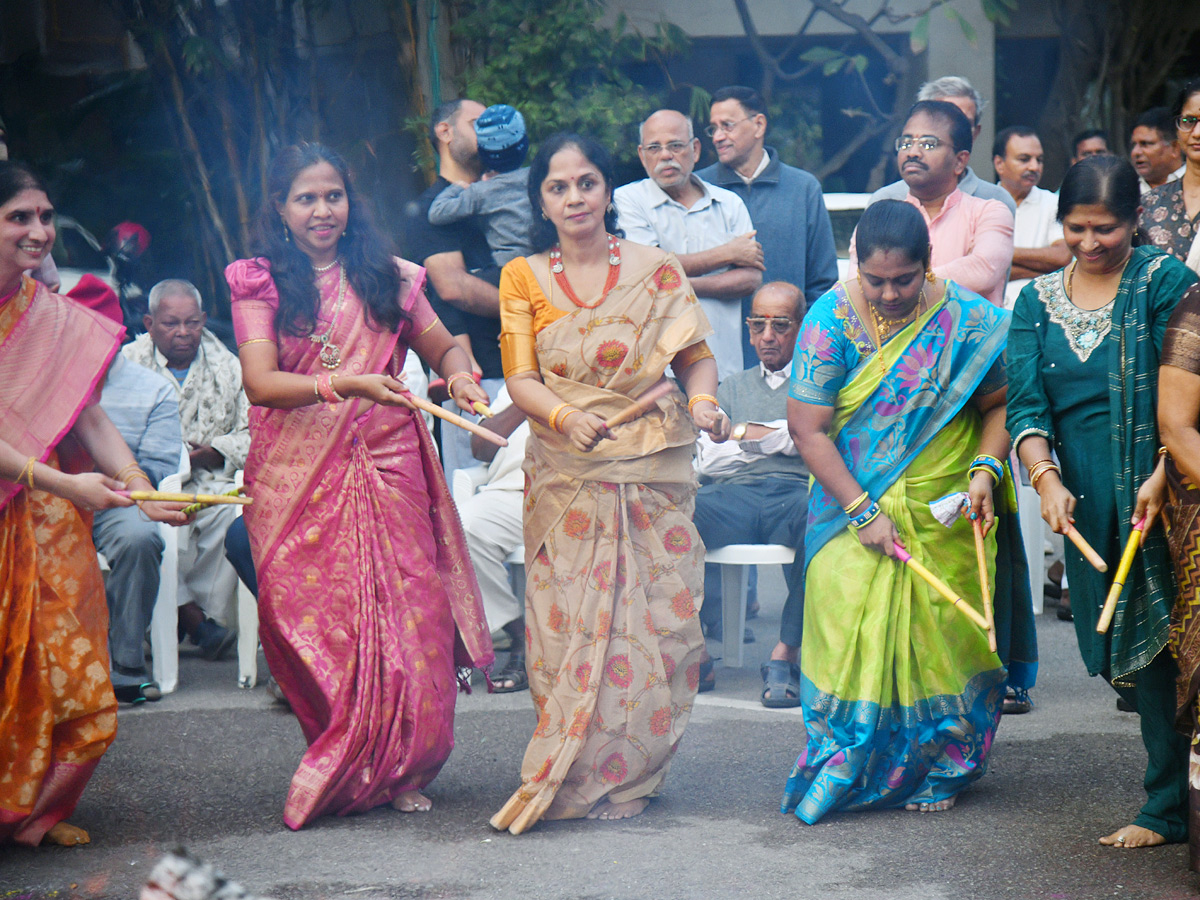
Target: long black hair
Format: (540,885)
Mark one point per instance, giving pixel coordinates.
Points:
(892,225)
(542,234)
(16,177)
(370,267)
(1108,181)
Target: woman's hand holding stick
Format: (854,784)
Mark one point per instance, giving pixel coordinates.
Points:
(1118,582)
(1058,508)
(941,587)
(435,410)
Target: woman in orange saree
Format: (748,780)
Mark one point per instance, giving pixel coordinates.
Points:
(367,599)
(58,714)
(614,566)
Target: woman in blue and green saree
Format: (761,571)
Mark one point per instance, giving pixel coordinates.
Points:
(897,400)
(1083,367)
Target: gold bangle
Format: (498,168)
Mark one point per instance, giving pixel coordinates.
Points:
(27,472)
(562,422)
(317,387)
(858,500)
(453,378)
(333,390)
(1162,451)
(1040,466)
(552,419)
(696,399)
(120,476)
(1034,479)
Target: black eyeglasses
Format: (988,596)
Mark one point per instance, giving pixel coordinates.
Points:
(779,324)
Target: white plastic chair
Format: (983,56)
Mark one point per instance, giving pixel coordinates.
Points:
(733,560)
(164,635)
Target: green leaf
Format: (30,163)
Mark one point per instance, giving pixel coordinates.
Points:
(968,29)
(821,54)
(918,38)
(860,63)
(832,67)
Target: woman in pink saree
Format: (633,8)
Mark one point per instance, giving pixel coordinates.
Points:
(367,599)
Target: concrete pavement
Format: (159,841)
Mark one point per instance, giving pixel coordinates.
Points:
(208,767)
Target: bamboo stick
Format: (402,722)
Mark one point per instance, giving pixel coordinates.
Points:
(1085,548)
(642,404)
(1118,582)
(984,586)
(168,497)
(941,587)
(435,410)
(196,507)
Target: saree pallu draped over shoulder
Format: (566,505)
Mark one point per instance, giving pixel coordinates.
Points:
(58,714)
(614,565)
(367,599)
(900,694)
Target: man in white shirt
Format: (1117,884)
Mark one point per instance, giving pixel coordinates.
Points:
(757,484)
(707,227)
(1038,245)
(1154,149)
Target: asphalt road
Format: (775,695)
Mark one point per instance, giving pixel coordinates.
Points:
(207,768)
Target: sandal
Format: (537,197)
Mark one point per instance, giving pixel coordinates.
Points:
(781,679)
(1016,702)
(513,671)
(137,693)
(708,678)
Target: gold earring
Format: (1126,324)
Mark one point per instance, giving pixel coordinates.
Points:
(930,277)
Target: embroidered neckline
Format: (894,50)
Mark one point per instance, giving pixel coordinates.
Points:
(1085,329)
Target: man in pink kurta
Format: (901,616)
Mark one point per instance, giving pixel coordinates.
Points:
(972,238)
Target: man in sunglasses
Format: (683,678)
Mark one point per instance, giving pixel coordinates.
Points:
(785,203)
(756,484)
(972,238)
(707,227)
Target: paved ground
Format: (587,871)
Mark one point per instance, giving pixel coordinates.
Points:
(208,767)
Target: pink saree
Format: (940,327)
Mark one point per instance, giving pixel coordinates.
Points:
(58,715)
(367,599)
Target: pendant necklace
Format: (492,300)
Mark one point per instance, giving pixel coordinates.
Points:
(331,354)
(614,272)
(883,327)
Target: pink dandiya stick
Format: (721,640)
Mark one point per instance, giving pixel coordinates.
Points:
(981,560)
(642,404)
(434,410)
(941,587)
(1118,582)
(1085,548)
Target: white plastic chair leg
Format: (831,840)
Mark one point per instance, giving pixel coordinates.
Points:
(734,580)
(247,644)
(1029,507)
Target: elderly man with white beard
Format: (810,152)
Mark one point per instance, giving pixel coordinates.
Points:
(706,226)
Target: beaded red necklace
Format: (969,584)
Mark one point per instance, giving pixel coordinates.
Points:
(614,272)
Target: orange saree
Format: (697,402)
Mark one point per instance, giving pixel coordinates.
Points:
(57,711)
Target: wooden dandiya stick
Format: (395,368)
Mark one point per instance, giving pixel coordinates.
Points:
(434,410)
(1118,582)
(981,559)
(941,587)
(196,507)
(1085,548)
(168,497)
(482,409)
(642,404)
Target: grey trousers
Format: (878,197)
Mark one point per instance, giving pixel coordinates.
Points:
(133,547)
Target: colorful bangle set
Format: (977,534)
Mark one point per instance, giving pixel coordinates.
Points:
(325,390)
(989,464)
(866,517)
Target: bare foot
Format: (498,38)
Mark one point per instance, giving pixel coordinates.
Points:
(937,806)
(65,834)
(627,810)
(412,801)
(1133,836)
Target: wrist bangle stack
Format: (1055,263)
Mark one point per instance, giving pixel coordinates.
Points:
(853,505)
(27,472)
(1040,468)
(325,389)
(989,464)
(453,378)
(563,420)
(127,472)
(563,409)
(696,399)
(866,517)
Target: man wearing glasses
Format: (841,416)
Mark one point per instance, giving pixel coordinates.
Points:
(785,203)
(958,91)
(707,227)
(756,484)
(972,238)
(215,417)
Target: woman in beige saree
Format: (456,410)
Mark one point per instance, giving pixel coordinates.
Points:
(615,568)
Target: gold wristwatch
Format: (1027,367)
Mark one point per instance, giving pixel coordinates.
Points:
(739,431)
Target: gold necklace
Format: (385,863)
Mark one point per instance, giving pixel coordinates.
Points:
(883,327)
(331,354)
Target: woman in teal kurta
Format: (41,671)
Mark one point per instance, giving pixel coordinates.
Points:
(1083,358)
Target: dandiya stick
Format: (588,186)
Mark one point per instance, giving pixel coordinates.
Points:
(168,497)
(981,559)
(1085,548)
(941,587)
(642,404)
(1118,582)
(434,410)
(196,507)
(482,409)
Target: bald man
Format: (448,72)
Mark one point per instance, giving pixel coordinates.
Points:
(756,484)
(707,227)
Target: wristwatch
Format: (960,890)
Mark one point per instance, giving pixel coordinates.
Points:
(739,431)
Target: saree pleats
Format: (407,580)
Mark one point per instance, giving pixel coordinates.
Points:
(58,714)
